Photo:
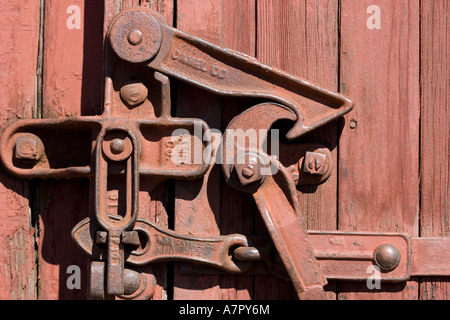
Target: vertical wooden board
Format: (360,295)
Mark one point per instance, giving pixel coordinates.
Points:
(379,162)
(154,206)
(153,196)
(63,205)
(194,213)
(213,207)
(19,35)
(65,32)
(72,86)
(301,37)
(237,209)
(435,129)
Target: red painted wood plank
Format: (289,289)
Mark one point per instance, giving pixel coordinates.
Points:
(71,87)
(210,207)
(435,137)
(379,147)
(237,209)
(19,35)
(153,197)
(301,37)
(194,213)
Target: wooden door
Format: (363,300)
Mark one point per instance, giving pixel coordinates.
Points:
(391,154)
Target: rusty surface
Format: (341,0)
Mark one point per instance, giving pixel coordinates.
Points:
(273,189)
(31,149)
(134,137)
(222,71)
(159,244)
(135,126)
(340,256)
(350,256)
(78,137)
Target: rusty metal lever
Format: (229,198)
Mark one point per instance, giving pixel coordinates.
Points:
(140,35)
(273,188)
(159,244)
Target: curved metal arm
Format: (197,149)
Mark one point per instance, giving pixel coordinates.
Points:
(278,205)
(140,35)
(161,244)
(275,195)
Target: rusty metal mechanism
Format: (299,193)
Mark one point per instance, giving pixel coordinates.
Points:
(134,138)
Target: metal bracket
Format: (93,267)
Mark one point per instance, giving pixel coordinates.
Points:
(351,256)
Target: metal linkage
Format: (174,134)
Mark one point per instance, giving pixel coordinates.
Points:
(158,244)
(274,191)
(134,138)
(142,36)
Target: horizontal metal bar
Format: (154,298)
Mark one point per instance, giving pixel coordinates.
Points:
(320,255)
(351,256)
(430,257)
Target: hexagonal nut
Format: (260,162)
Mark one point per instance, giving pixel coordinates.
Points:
(315,163)
(28,147)
(248,173)
(134,94)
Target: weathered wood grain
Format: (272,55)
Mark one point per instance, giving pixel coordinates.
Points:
(73,85)
(435,133)
(379,157)
(214,208)
(391,153)
(194,213)
(237,210)
(72,57)
(19,35)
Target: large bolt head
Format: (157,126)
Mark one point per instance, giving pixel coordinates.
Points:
(28,148)
(251,172)
(315,163)
(248,173)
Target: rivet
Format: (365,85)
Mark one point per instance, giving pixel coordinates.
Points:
(135,37)
(117,146)
(387,257)
(134,94)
